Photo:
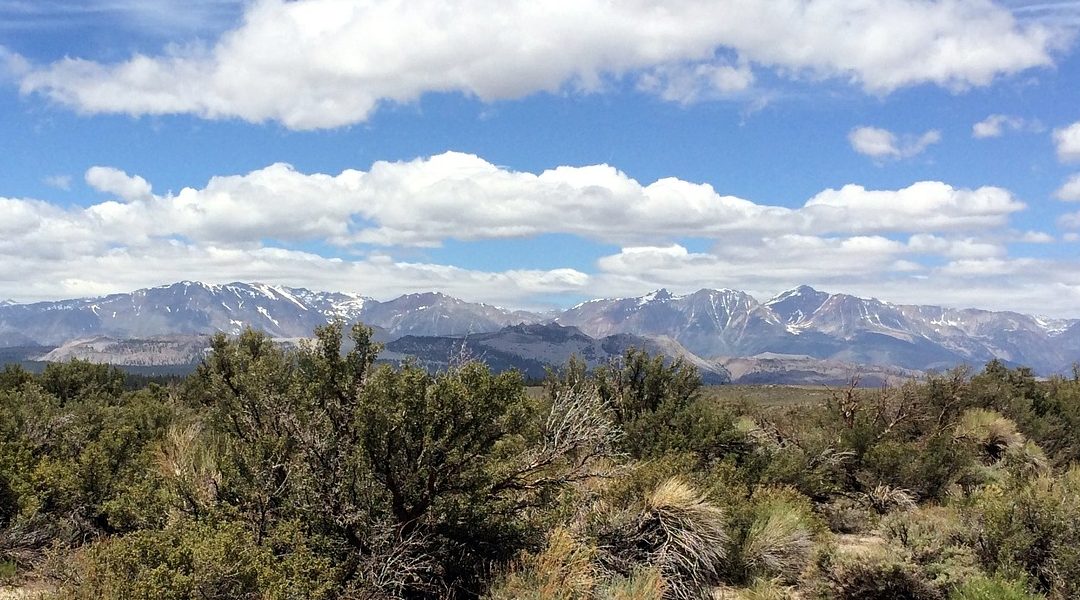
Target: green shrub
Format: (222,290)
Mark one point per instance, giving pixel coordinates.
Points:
(847,515)
(1030,526)
(933,540)
(993,588)
(8,569)
(196,560)
(650,397)
(884,576)
(927,467)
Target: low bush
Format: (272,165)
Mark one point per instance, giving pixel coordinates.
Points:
(1030,526)
(993,588)
(878,576)
(213,561)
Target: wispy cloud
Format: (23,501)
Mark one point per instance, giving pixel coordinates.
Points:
(60,182)
(997,125)
(883,144)
(1063,13)
(166,18)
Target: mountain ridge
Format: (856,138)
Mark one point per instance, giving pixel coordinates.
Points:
(709,324)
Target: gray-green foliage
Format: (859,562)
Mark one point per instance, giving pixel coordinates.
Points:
(391,463)
(993,588)
(76,459)
(316,472)
(1030,527)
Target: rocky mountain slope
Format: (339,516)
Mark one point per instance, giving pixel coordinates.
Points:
(533,348)
(192,308)
(805,370)
(711,326)
(806,322)
(151,352)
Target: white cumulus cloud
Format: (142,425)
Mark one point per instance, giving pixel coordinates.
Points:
(426,201)
(119,183)
(866,266)
(1070,190)
(1067,140)
(370,227)
(325,63)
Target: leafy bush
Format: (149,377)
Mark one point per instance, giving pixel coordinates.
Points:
(316,473)
(648,396)
(847,515)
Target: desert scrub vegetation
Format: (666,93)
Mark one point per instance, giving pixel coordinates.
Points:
(321,473)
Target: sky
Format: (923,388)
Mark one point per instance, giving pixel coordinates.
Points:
(536,154)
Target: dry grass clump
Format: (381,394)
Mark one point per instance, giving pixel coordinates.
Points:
(190,467)
(990,431)
(774,537)
(779,542)
(760,589)
(643,584)
(667,543)
(1026,460)
(674,530)
(563,570)
(685,537)
(24,543)
(886,498)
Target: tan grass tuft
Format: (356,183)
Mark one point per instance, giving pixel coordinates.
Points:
(992,432)
(644,584)
(779,541)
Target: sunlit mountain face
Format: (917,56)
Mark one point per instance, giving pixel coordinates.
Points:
(706,325)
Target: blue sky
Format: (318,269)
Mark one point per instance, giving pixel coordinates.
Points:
(537,154)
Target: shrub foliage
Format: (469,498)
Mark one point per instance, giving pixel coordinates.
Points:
(319,472)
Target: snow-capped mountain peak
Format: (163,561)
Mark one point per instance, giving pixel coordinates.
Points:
(660,295)
(191,307)
(710,323)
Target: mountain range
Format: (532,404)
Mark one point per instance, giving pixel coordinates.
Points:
(194,308)
(802,327)
(805,321)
